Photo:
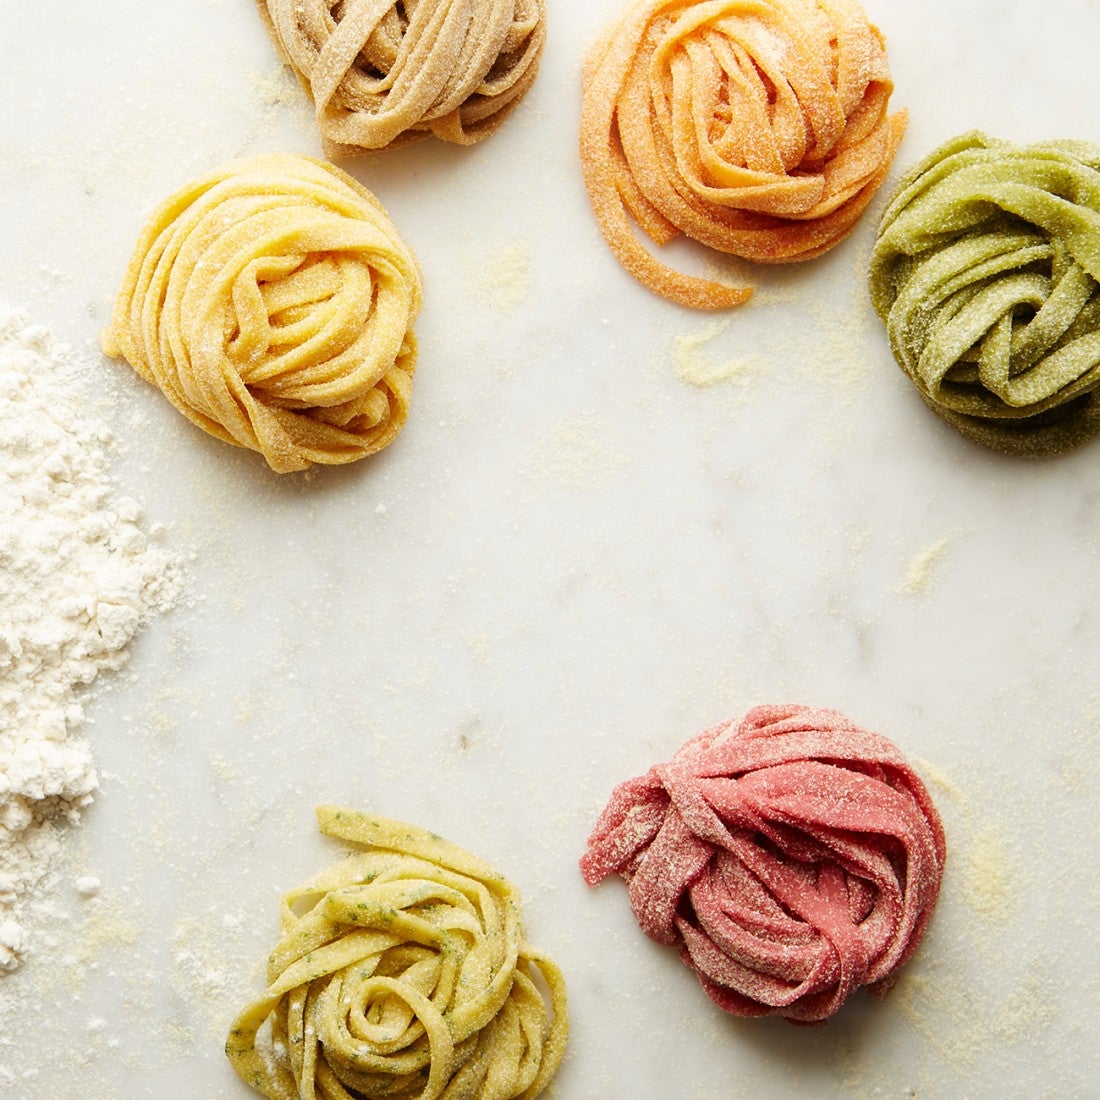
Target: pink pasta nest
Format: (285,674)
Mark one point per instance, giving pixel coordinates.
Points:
(789,856)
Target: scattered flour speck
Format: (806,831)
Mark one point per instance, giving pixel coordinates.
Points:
(918,578)
(505,280)
(577,454)
(696,367)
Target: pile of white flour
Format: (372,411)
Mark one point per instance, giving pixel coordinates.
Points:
(78,578)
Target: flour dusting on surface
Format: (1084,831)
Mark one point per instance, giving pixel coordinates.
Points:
(80,577)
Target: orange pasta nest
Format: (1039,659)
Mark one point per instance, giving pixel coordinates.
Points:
(757,127)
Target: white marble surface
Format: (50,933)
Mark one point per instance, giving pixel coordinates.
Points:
(571,560)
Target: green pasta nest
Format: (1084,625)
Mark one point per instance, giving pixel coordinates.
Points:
(985,274)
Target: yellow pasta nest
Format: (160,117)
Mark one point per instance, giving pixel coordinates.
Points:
(402,972)
(757,129)
(388,73)
(272,303)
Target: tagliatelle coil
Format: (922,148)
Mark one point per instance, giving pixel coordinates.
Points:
(986,274)
(757,127)
(789,856)
(402,972)
(272,302)
(382,73)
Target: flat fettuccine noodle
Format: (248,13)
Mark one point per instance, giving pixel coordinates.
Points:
(986,275)
(402,972)
(272,303)
(383,73)
(756,127)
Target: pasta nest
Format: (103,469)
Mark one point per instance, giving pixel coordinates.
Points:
(402,972)
(789,856)
(383,73)
(272,303)
(986,274)
(757,127)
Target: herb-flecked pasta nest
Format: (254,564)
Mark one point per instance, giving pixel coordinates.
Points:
(402,972)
